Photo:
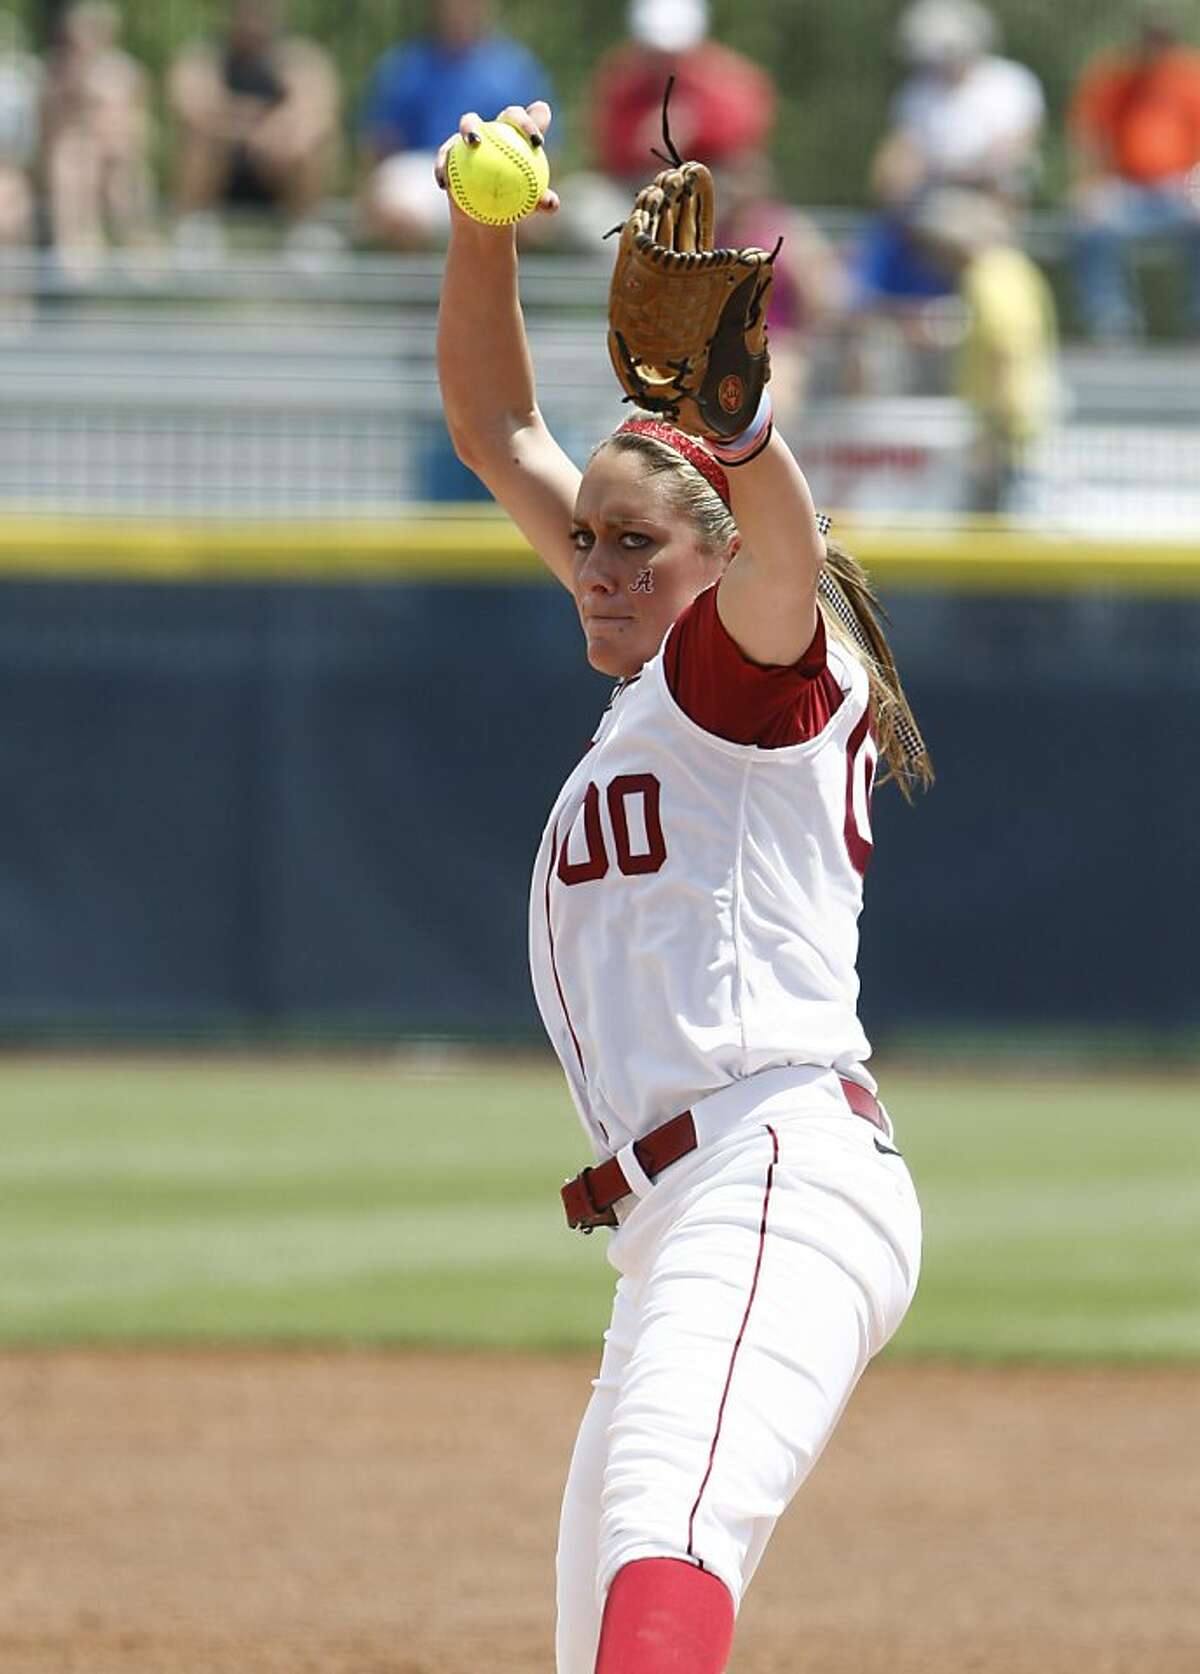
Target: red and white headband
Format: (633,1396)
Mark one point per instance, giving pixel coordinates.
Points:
(697,455)
(693,451)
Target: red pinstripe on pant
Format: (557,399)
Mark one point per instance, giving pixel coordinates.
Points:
(664,1615)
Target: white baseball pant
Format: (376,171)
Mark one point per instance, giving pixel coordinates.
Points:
(758,1276)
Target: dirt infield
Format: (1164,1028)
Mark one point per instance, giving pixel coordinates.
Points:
(375,1514)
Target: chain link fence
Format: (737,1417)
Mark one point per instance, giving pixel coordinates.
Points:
(254,392)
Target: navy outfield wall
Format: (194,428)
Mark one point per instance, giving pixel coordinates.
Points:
(292,808)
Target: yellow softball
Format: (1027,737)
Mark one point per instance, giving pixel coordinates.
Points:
(501,179)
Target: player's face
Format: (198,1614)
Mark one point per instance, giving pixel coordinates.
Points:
(638,562)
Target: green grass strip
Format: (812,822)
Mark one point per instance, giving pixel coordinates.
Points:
(289,1201)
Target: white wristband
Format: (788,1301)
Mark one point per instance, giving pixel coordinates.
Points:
(740,449)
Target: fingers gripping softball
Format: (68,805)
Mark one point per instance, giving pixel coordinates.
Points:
(687,323)
(497,172)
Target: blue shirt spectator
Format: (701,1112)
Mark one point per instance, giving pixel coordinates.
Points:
(414,99)
(418,91)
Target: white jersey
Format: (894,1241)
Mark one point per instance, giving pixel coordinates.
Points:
(694,907)
(958,125)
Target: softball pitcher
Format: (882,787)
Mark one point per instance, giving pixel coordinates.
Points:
(693,923)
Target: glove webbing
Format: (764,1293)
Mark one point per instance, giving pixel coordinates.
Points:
(661,404)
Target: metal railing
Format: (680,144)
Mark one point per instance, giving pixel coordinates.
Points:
(261,389)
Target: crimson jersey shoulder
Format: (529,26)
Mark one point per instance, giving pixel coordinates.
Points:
(721,690)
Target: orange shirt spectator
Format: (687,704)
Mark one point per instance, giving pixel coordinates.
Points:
(1135,133)
(1142,115)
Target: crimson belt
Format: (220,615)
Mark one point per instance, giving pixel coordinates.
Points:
(589,1198)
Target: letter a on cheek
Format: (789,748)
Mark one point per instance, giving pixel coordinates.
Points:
(643,582)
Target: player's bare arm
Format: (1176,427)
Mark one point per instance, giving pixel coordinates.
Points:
(767,598)
(486,373)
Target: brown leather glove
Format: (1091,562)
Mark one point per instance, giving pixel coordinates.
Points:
(687,329)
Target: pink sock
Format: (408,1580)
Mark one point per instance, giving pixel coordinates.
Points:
(664,1616)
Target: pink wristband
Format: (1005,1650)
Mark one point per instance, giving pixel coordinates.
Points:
(741,449)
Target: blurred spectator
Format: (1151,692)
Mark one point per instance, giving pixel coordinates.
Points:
(415,97)
(722,108)
(963,117)
(722,105)
(96,135)
(1006,369)
(1135,126)
(20,80)
(809,289)
(257,114)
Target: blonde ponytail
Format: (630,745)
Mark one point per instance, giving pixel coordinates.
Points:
(855,617)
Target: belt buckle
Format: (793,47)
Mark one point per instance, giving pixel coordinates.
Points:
(586,1227)
(598,1216)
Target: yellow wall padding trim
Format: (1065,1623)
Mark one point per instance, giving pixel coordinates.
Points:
(457,546)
